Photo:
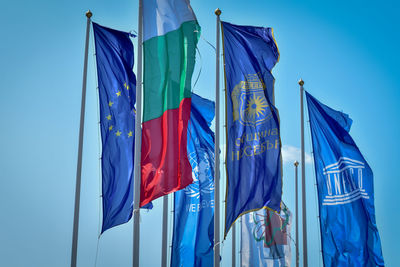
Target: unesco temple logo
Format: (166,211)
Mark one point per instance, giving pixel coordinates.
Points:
(250,106)
(344,182)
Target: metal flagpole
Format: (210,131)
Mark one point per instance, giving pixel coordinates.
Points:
(296,164)
(234,245)
(80,148)
(240,251)
(216,174)
(303,177)
(164,248)
(138,142)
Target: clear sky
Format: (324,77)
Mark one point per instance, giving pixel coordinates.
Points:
(345,51)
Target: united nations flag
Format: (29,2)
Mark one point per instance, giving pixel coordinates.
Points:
(254,146)
(193,230)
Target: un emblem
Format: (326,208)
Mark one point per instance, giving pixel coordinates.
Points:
(250,106)
(202,174)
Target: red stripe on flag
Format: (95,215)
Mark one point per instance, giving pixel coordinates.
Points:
(165,163)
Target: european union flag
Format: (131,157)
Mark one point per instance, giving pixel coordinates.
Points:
(192,241)
(254,147)
(345,191)
(117,84)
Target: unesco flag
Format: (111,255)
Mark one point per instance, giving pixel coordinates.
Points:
(253,147)
(345,191)
(192,241)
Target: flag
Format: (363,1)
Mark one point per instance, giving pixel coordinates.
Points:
(345,191)
(193,232)
(117,84)
(171,33)
(253,145)
(266,238)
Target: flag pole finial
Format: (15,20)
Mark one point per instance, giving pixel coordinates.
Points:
(296,163)
(301,82)
(89,14)
(218,12)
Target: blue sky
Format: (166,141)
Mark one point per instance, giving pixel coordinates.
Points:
(345,51)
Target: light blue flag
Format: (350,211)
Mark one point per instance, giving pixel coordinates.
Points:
(265,240)
(192,242)
(345,191)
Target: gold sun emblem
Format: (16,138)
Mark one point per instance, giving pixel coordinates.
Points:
(256,107)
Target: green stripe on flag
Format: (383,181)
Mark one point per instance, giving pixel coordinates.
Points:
(168,67)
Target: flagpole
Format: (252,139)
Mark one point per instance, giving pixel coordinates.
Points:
(240,250)
(138,142)
(296,164)
(303,177)
(80,148)
(216,174)
(234,245)
(164,248)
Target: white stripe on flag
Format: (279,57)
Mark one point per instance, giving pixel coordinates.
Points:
(163,16)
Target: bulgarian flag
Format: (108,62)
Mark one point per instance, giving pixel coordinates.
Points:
(171,33)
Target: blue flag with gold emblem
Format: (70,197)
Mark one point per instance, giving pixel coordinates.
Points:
(117,84)
(253,145)
(345,191)
(193,234)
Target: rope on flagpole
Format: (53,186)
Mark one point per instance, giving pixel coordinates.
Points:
(136,211)
(99,145)
(201,60)
(218,243)
(210,44)
(201,67)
